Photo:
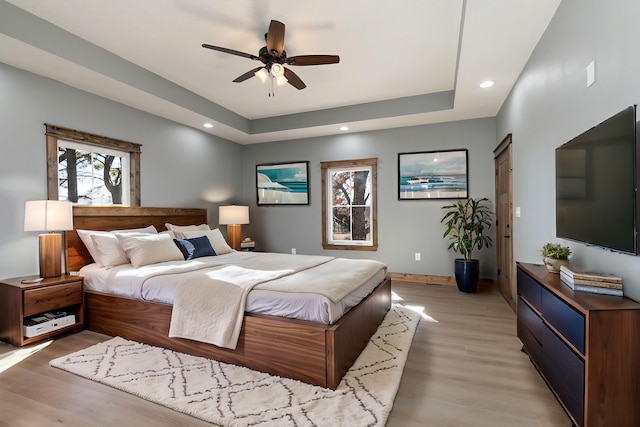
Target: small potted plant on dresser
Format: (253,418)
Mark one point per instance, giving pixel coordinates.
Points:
(554,255)
(466,223)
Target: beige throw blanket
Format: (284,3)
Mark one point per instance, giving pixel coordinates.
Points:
(334,279)
(208,309)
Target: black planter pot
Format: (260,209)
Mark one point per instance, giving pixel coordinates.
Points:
(467,275)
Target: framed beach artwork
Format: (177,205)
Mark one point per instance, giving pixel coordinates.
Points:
(433,175)
(283,183)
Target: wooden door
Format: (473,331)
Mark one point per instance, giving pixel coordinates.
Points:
(504,231)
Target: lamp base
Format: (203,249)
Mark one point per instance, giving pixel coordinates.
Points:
(50,245)
(234,235)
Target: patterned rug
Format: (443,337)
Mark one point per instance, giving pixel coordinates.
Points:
(230,395)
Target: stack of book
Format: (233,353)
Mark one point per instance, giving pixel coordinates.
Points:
(247,245)
(597,283)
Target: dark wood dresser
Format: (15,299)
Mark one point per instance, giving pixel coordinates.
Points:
(586,347)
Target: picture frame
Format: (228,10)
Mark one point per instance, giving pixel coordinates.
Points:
(428,175)
(282,183)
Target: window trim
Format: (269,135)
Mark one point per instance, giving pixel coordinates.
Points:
(346,165)
(55,133)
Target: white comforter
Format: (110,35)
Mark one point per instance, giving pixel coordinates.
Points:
(220,285)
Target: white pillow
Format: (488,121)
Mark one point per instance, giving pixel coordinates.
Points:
(215,237)
(149,229)
(85,236)
(170,234)
(109,249)
(149,249)
(179,230)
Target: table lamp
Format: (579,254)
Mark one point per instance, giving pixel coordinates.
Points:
(49,215)
(233,216)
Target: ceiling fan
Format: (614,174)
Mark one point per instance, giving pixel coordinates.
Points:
(274,57)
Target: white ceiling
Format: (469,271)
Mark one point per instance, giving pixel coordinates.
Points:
(401,63)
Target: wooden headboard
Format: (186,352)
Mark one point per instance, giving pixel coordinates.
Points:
(109,218)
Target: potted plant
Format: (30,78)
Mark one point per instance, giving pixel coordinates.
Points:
(554,255)
(466,223)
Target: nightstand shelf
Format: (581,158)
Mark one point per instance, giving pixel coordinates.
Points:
(20,301)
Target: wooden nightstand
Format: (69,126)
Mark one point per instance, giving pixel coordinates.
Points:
(20,301)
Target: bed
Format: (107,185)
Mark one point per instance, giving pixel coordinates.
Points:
(309,351)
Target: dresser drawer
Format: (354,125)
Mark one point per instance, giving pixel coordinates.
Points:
(49,298)
(529,289)
(569,322)
(530,319)
(564,370)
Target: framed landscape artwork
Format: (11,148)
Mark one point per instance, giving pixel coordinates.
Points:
(433,175)
(283,183)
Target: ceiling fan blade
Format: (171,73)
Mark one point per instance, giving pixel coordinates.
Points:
(246,75)
(302,60)
(275,38)
(294,80)
(231,51)
(313,59)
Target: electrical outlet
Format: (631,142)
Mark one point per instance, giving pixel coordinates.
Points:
(293,251)
(417,256)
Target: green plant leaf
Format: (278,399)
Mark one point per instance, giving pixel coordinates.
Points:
(466,223)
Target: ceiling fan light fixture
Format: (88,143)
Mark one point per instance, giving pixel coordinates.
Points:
(273,57)
(262,74)
(277,70)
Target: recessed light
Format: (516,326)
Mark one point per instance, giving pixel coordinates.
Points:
(207,125)
(487,83)
(344,128)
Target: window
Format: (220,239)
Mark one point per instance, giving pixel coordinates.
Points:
(349,217)
(90,169)
(91,175)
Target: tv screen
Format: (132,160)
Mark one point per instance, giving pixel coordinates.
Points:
(596,185)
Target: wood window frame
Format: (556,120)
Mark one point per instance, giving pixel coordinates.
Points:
(55,133)
(345,164)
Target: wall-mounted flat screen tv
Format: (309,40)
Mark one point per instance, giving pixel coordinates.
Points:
(596,185)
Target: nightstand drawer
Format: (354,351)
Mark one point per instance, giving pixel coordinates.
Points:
(52,297)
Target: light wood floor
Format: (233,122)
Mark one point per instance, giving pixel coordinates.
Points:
(464,368)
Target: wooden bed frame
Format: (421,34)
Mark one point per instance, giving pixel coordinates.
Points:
(308,351)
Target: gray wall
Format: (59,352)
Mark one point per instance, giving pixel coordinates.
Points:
(551,104)
(183,167)
(404,227)
(180,166)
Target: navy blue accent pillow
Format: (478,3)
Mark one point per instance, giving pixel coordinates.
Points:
(195,248)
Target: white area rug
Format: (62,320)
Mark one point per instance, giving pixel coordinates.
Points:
(230,395)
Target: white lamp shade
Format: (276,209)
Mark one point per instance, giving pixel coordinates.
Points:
(281,81)
(48,215)
(233,214)
(262,74)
